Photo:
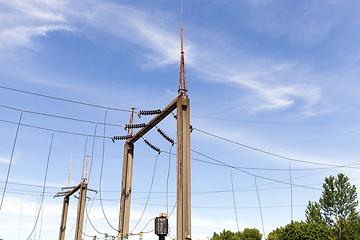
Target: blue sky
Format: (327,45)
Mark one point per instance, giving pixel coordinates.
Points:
(280,76)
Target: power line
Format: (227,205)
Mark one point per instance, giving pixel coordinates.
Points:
(269,153)
(264,169)
(101,172)
(262,221)
(63,99)
(61,117)
(11,159)
(233,193)
(251,174)
(43,192)
(147,200)
(54,130)
(276,123)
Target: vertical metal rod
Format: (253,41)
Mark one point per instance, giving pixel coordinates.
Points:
(124,215)
(183,221)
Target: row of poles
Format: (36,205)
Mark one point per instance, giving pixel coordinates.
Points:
(183,199)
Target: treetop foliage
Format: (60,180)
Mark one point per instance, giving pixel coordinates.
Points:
(247,234)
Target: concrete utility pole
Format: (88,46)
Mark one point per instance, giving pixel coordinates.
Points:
(124,215)
(81,206)
(182,103)
(81,210)
(183,194)
(183,218)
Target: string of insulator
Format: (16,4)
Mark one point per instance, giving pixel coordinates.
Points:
(152,146)
(121,137)
(165,136)
(150,112)
(138,125)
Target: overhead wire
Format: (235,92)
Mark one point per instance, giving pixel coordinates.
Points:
(251,174)
(92,153)
(61,117)
(10,162)
(261,215)
(56,130)
(92,225)
(233,194)
(41,219)
(101,172)
(63,99)
(147,200)
(43,192)
(276,123)
(167,183)
(266,152)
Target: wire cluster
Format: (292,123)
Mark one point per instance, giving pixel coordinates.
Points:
(152,146)
(166,136)
(138,125)
(150,112)
(121,137)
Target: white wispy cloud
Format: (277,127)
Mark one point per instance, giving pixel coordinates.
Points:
(160,42)
(4,160)
(23,20)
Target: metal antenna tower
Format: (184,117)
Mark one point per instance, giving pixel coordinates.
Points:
(72,148)
(182,80)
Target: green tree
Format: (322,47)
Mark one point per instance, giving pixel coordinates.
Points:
(336,208)
(313,213)
(225,235)
(301,231)
(250,234)
(247,234)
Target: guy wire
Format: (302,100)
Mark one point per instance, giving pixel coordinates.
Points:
(147,200)
(92,153)
(11,158)
(87,215)
(232,187)
(43,192)
(167,184)
(262,221)
(101,171)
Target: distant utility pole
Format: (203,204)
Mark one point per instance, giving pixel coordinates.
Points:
(81,205)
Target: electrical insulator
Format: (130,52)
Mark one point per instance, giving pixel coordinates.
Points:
(166,136)
(139,125)
(120,137)
(152,146)
(161,226)
(151,112)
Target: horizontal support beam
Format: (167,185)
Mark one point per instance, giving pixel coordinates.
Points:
(164,113)
(73,190)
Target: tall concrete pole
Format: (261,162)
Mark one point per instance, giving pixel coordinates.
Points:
(124,216)
(81,210)
(64,218)
(183,221)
